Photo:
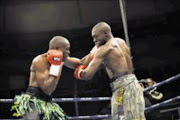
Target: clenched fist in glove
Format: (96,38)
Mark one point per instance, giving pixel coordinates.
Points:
(55,58)
(78,71)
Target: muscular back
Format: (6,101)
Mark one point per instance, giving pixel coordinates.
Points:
(118,60)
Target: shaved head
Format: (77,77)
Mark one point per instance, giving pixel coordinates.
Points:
(58,42)
(101,27)
(101,33)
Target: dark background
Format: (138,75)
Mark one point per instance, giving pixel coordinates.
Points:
(26,26)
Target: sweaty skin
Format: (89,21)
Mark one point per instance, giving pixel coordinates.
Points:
(39,76)
(118,60)
(88,58)
(73,62)
(116,57)
(127,94)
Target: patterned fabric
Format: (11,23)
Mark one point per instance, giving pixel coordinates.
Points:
(50,110)
(127,102)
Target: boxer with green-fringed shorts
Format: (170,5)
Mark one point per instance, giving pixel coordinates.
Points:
(45,72)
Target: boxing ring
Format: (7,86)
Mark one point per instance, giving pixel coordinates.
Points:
(94,99)
(108,116)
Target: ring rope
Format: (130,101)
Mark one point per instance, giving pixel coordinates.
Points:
(161,104)
(105,99)
(107,116)
(99,98)
(163,82)
(83,99)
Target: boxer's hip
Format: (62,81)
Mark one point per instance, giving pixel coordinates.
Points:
(38,93)
(123,80)
(34,97)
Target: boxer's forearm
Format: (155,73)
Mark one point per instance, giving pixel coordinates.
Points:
(50,85)
(90,71)
(47,82)
(72,62)
(86,75)
(85,60)
(88,58)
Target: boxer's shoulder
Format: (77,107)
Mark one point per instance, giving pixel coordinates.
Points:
(105,49)
(39,60)
(111,44)
(36,59)
(119,40)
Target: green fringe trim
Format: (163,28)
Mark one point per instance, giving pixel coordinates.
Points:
(49,110)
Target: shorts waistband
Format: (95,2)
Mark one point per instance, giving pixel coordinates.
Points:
(121,74)
(123,81)
(37,92)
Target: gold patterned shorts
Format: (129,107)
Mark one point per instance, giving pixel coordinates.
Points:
(127,102)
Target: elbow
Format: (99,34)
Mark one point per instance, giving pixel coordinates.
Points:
(86,76)
(89,77)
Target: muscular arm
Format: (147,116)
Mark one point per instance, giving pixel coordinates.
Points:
(72,62)
(93,66)
(45,81)
(88,58)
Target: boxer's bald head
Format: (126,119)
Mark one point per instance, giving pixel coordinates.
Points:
(101,27)
(60,43)
(101,32)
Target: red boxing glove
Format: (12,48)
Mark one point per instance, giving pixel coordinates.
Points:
(78,71)
(55,58)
